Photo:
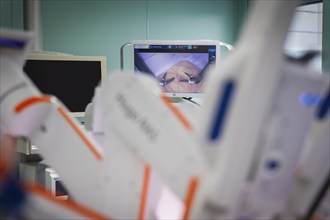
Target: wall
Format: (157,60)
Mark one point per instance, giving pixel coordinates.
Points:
(101,27)
(326,36)
(11,14)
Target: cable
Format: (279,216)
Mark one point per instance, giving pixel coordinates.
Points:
(122,55)
(228,46)
(318,198)
(190,100)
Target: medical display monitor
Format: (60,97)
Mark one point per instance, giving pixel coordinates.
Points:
(72,79)
(180,67)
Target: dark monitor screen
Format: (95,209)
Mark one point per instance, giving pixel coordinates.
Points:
(71,79)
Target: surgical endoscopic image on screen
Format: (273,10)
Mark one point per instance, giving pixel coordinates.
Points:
(175,72)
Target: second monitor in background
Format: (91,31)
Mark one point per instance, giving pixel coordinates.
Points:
(180,67)
(72,79)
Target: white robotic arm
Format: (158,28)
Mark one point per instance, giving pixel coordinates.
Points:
(26,112)
(255,118)
(111,182)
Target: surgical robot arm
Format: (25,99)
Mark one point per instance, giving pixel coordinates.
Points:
(28,113)
(113,181)
(255,117)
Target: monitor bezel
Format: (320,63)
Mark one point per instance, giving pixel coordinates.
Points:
(215,43)
(101,59)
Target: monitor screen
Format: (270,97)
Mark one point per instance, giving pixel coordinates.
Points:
(180,67)
(72,79)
